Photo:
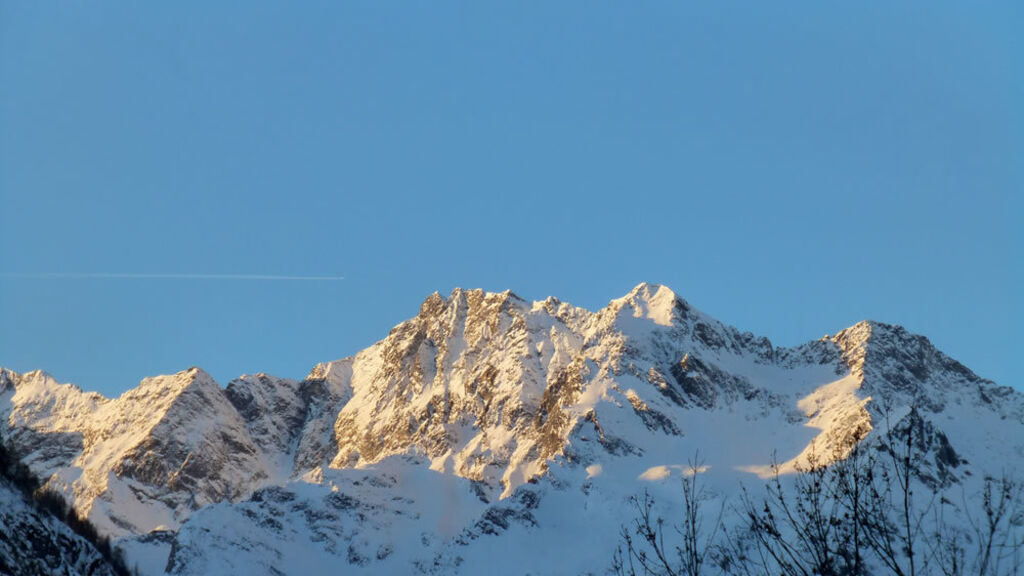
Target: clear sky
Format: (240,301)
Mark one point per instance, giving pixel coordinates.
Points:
(790,168)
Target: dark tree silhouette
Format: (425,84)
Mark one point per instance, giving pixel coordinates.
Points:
(644,550)
(53,504)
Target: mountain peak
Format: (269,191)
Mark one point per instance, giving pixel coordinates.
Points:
(877,335)
(654,302)
(193,378)
(41,385)
(647,287)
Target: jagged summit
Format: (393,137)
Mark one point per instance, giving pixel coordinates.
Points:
(863,332)
(193,379)
(649,291)
(652,302)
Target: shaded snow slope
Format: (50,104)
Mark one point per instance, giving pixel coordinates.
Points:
(34,543)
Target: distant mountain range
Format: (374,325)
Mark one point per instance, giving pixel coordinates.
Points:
(486,435)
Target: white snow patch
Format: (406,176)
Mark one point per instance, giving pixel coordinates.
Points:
(655,473)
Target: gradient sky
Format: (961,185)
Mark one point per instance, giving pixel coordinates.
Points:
(790,168)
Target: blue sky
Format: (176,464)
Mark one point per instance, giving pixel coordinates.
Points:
(790,168)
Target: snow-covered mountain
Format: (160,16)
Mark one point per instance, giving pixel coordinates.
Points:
(486,434)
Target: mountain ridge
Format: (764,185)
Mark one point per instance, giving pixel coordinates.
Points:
(496,394)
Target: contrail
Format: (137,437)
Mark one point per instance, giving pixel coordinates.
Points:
(136,276)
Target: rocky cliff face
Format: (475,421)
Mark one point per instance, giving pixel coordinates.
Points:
(536,419)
